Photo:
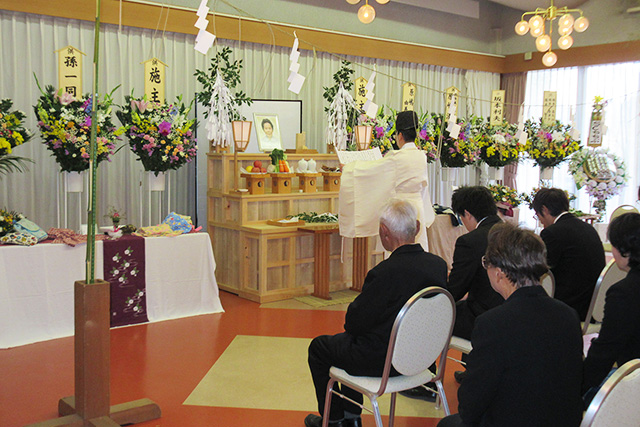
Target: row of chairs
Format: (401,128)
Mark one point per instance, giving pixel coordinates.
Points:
(422,334)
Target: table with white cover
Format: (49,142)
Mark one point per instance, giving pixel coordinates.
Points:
(36,285)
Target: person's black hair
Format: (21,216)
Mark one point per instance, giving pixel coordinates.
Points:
(624,235)
(266,121)
(477,200)
(409,135)
(519,253)
(554,199)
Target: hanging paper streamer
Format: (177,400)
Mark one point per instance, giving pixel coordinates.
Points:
(204,39)
(295,80)
(370,107)
(337,119)
(222,108)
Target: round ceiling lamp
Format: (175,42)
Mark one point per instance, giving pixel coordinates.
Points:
(366,14)
(549,59)
(353,1)
(383,1)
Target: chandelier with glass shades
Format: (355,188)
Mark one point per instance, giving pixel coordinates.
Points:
(366,13)
(542,20)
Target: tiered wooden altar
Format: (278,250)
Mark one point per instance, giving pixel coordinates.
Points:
(264,262)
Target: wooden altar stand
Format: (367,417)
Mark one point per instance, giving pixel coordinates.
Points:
(90,406)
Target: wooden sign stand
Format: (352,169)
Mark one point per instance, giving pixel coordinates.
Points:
(90,405)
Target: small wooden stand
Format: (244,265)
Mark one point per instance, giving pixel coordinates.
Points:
(255,182)
(308,182)
(321,269)
(90,405)
(331,181)
(281,182)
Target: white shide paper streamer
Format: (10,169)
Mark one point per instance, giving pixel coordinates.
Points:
(220,112)
(337,119)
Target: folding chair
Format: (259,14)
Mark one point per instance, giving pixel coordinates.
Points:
(622,209)
(548,282)
(616,403)
(420,333)
(610,275)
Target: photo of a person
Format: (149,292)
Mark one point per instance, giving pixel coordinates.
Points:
(268,132)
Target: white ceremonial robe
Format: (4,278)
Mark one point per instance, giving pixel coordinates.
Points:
(367,185)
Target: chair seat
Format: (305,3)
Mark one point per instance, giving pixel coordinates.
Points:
(460,344)
(372,384)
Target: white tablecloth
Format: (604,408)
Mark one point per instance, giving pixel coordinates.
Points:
(36,285)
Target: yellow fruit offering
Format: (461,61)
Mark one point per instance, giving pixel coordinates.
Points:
(249,168)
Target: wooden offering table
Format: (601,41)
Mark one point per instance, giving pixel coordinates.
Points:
(321,234)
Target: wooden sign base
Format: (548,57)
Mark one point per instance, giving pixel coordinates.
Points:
(90,405)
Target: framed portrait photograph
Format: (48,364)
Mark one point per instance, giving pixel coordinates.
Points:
(268,131)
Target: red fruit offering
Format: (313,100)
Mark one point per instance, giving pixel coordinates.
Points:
(257,164)
(264,170)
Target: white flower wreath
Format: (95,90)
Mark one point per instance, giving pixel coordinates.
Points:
(596,189)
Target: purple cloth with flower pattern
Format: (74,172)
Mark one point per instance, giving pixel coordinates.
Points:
(124,269)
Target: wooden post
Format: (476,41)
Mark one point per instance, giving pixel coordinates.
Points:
(360,262)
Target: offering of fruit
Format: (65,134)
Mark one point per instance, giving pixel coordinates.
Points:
(264,170)
(249,169)
(257,164)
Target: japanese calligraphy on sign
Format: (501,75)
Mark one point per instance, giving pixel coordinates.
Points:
(70,70)
(452,95)
(408,97)
(361,92)
(154,80)
(596,128)
(497,107)
(549,108)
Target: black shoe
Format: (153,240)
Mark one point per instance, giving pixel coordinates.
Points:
(460,376)
(353,422)
(313,420)
(421,393)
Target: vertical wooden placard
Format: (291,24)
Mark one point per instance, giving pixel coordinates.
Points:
(360,92)
(497,107)
(452,96)
(70,70)
(549,108)
(408,97)
(154,80)
(595,128)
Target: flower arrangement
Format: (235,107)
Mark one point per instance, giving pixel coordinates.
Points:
(498,145)
(458,152)
(505,195)
(160,135)
(384,127)
(590,170)
(549,146)
(115,216)
(7,218)
(426,140)
(65,124)
(12,131)
(12,134)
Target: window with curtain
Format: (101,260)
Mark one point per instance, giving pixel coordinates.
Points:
(619,85)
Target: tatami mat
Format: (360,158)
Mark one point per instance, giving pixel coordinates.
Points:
(258,372)
(340,300)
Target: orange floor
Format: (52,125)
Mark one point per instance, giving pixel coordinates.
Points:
(164,361)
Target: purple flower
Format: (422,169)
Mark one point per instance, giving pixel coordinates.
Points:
(164,128)
(87,122)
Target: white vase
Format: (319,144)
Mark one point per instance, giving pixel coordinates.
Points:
(546,173)
(496,174)
(74,182)
(156,183)
(448,174)
(311,166)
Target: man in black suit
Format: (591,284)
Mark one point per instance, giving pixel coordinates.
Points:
(362,348)
(525,368)
(574,250)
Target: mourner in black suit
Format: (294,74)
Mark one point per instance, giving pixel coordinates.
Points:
(361,349)
(619,337)
(574,250)
(525,368)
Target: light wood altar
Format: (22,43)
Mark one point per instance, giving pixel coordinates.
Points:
(263,262)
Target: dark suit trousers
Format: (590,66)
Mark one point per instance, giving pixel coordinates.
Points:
(326,351)
(465,319)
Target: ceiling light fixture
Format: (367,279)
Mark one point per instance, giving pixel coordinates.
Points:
(366,13)
(566,25)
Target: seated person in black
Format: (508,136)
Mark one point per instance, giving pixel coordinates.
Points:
(525,368)
(574,250)
(619,337)
(361,349)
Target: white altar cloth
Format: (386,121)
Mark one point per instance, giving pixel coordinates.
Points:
(36,285)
